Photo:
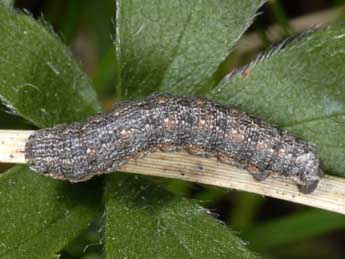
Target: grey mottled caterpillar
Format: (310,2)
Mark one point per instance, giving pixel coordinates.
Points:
(78,151)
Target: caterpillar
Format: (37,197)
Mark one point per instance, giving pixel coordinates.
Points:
(81,150)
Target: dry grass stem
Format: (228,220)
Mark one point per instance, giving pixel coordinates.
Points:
(329,195)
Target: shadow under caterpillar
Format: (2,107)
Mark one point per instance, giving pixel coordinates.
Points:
(78,151)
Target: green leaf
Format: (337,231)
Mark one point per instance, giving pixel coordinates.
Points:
(292,229)
(39,216)
(301,89)
(173,46)
(38,78)
(145,221)
(9,3)
(245,209)
(176,46)
(40,81)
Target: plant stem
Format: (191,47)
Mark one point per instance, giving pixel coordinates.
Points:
(329,195)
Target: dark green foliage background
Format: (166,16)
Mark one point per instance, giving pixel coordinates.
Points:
(182,47)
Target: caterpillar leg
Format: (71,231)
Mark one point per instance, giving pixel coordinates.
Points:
(308,187)
(258,174)
(228,159)
(195,150)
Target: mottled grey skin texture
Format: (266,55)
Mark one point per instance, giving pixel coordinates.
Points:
(78,151)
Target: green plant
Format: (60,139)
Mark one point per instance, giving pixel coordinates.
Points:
(174,46)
